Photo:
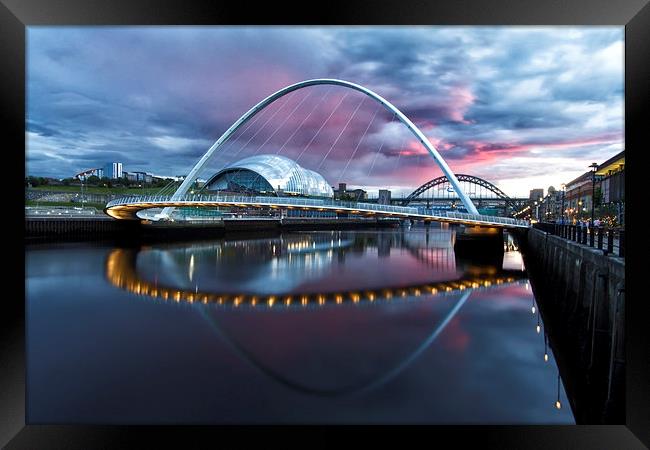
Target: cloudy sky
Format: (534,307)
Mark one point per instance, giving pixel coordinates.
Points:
(522,107)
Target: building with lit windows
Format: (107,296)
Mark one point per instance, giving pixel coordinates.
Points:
(609,189)
(612,184)
(550,207)
(578,196)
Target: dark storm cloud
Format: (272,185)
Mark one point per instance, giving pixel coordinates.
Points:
(489,98)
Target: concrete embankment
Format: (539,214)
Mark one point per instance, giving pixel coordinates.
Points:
(97,228)
(75,227)
(581,295)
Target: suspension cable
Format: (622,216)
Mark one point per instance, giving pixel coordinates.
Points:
(321,127)
(164,189)
(232,140)
(399,155)
(267,121)
(340,134)
(358,144)
(383,141)
(286,101)
(262,127)
(238,171)
(285,120)
(305,119)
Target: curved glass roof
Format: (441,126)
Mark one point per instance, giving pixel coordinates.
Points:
(281,173)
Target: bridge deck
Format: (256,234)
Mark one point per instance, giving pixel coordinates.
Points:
(127,207)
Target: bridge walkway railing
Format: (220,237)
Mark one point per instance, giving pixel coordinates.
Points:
(267,200)
(486,218)
(316,202)
(610,240)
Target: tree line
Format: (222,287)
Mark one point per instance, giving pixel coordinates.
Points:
(93,180)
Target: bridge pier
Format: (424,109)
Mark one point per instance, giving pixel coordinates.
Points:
(479,243)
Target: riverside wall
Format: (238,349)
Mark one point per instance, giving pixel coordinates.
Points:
(580,292)
(100,227)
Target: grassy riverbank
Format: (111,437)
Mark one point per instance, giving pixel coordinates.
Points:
(97,189)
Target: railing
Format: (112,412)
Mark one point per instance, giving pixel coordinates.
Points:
(280,201)
(610,240)
(486,218)
(315,203)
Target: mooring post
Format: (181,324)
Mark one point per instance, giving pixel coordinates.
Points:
(621,243)
(610,241)
(600,238)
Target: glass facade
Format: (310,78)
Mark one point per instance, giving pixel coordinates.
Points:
(241,180)
(270,174)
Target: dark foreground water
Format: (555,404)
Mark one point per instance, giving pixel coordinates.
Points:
(313,327)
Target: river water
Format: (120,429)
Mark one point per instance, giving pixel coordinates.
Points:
(381,326)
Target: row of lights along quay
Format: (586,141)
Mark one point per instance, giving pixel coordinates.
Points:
(575,256)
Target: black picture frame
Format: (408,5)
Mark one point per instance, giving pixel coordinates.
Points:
(16,15)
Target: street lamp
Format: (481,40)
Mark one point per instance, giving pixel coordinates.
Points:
(579,209)
(593,166)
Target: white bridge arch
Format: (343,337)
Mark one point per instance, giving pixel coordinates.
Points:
(187,183)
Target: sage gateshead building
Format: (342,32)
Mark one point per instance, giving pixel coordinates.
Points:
(269,175)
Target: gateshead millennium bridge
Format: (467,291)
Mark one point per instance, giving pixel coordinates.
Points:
(129,207)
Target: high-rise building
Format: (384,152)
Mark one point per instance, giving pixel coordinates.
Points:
(384,197)
(113,170)
(536,194)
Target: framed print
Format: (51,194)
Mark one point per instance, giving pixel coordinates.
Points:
(397,214)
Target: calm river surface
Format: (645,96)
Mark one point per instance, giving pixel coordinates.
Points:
(384,326)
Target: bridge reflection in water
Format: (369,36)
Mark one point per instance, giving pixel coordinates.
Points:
(306,251)
(354,333)
(309,251)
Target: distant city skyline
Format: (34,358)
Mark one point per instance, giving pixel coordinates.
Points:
(522,107)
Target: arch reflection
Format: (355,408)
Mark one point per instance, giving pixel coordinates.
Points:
(180,264)
(346,390)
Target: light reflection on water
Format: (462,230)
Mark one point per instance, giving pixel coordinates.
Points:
(363,327)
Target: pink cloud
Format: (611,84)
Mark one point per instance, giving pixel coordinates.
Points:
(460,99)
